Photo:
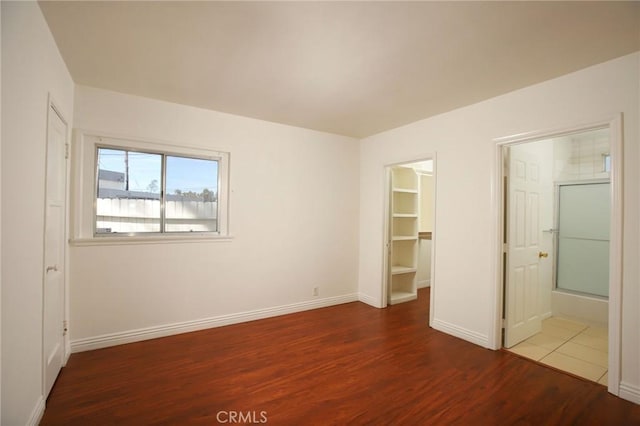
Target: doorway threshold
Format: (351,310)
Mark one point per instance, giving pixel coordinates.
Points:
(569,346)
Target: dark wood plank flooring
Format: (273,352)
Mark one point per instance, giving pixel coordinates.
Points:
(348,364)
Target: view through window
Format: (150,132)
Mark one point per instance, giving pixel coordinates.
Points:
(147,192)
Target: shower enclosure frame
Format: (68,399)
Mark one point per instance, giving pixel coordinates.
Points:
(556,230)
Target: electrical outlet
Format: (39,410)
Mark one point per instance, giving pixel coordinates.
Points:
(314,291)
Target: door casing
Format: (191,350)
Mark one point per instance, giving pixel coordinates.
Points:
(614,125)
(385,227)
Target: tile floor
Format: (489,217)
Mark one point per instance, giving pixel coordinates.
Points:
(569,346)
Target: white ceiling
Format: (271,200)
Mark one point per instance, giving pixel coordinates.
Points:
(352,68)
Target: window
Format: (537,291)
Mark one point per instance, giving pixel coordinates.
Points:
(149,192)
(139,192)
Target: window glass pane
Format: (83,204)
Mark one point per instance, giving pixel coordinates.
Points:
(192,195)
(128,198)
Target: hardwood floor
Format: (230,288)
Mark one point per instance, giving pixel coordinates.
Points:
(347,364)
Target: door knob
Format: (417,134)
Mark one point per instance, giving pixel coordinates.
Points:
(543,254)
(52,268)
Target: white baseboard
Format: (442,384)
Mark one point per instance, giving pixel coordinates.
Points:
(629,392)
(424,283)
(67,350)
(462,333)
(365,298)
(130,336)
(37,413)
(546,315)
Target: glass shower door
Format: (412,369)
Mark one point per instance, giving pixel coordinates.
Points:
(582,263)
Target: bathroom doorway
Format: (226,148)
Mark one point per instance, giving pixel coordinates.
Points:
(560,232)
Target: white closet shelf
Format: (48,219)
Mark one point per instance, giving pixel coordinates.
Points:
(406,190)
(399,269)
(404,237)
(403,254)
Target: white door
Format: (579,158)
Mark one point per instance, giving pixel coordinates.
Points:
(54,250)
(522,289)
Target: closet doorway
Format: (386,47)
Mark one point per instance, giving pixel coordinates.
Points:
(409,231)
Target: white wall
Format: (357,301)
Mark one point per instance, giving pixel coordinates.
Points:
(426,203)
(31,69)
(423,274)
(425,224)
(293,216)
(464,221)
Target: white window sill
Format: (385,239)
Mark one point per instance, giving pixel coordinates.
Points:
(151,239)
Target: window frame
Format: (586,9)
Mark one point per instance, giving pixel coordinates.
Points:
(85,191)
(163,192)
